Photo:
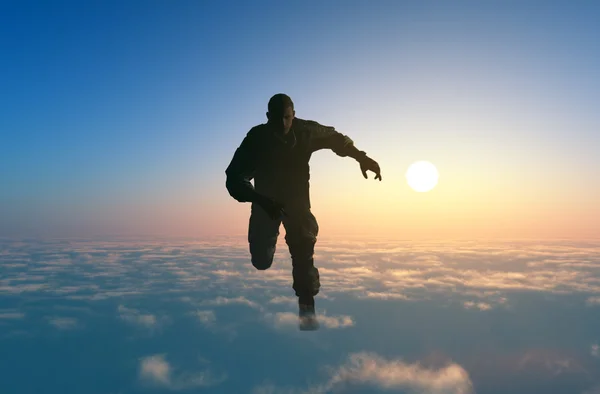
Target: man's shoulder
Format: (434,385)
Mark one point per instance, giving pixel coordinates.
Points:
(307,124)
(257,131)
(257,128)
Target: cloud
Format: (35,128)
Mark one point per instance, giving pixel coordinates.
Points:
(280,320)
(384,295)
(220,301)
(209,320)
(283,300)
(11,315)
(595,350)
(290,320)
(371,370)
(283,320)
(226,273)
(593,301)
(382,270)
(22,288)
(549,363)
(336,321)
(482,306)
(156,371)
(206,317)
(136,318)
(64,323)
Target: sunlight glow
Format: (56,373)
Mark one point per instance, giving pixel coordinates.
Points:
(422,176)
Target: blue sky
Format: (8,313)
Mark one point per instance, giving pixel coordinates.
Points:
(112,104)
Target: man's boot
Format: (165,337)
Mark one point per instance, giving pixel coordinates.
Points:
(306,313)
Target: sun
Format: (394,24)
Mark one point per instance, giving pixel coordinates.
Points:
(422,176)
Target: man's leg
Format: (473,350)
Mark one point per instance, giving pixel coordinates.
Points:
(263,233)
(301,235)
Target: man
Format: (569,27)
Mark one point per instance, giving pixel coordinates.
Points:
(276,155)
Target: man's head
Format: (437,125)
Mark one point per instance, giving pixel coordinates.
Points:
(281,112)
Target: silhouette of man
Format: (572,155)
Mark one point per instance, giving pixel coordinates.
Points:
(276,155)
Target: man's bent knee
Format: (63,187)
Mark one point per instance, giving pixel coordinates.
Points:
(262,263)
(262,256)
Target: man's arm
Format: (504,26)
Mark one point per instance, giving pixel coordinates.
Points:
(327,137)
(241,171)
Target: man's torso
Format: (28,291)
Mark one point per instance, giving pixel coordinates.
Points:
(282,162)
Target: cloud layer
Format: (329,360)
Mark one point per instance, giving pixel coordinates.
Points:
(481,273)
(209,293)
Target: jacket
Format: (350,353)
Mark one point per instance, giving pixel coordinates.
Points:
(280,165)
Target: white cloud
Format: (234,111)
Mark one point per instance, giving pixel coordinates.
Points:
(219,301)
(290,320)
(135,317)
(226,273)
(595,350)
(368,369)
(382,270)
(482,306)
(63,323)
(209,320)
(336,321)
(395,374)
(155,370)
(284,300)
(283,320)
(385,295)
(206,317)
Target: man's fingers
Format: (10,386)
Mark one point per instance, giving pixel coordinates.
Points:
(378,171)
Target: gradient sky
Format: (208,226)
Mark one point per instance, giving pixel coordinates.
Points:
(121,117)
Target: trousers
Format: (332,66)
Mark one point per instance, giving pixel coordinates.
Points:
(301,229)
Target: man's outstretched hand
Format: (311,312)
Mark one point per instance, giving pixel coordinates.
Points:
(368,164)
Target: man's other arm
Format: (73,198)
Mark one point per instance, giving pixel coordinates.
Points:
(241,171)
(327,137)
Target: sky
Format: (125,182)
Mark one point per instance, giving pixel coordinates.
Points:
(121,117)
(124,266)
